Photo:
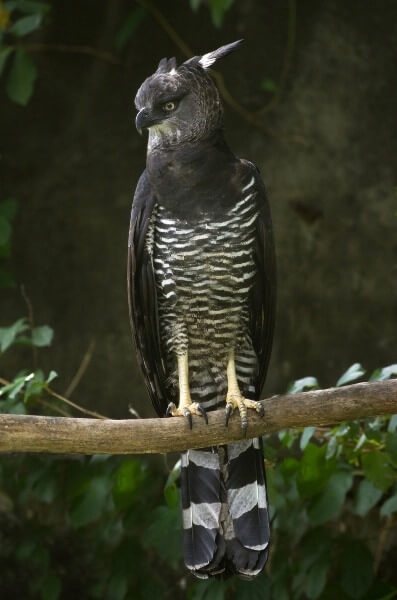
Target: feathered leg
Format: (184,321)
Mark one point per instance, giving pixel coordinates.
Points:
(186,407)
(235,399)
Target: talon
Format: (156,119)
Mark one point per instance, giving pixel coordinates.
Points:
(202,412)
(261,409)
(229,410)
(171,407)
(188,415)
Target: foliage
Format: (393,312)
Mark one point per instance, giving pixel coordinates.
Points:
(332,496)
(217,8)
(18,19)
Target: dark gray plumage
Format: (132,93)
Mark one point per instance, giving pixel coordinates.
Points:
(201,276)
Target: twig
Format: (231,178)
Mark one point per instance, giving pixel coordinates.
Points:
(69,49)
(55,394)
(53,407)
(28,433)
(86,411)
(85,361)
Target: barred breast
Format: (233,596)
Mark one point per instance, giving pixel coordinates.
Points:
(204,271)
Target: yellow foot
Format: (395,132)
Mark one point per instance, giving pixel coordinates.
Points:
(186,411)
(237,401)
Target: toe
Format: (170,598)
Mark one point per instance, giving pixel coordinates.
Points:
(171,408)
(228,412)
(188,415)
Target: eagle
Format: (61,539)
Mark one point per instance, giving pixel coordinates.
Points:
(202,289)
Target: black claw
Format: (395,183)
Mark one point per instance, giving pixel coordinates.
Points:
(202,412)
(261,410)
(170,407)
(229,410)
(244,426)
(188,415)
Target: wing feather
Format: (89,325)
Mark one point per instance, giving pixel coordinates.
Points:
(142,299)
(263,294)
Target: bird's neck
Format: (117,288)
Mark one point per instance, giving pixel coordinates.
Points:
(186,156)
(189,176)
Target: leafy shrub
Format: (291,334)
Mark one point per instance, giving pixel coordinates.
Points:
(110,527)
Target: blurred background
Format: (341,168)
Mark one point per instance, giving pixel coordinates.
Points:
(310,98)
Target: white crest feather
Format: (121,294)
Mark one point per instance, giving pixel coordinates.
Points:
(207,60)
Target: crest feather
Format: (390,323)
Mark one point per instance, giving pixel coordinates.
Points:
(207,60)
(166,65)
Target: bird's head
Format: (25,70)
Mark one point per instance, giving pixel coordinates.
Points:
(180,104)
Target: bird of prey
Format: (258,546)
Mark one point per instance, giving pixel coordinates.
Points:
(201,275)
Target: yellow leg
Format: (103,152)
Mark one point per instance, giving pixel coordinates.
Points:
(235,399)
(186,407)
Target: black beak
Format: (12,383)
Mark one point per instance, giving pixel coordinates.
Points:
(144,120)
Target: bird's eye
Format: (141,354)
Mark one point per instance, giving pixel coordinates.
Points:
(169,106)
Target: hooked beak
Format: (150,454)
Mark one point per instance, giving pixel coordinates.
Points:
(144,120)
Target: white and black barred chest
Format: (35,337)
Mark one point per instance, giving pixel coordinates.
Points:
(204,272)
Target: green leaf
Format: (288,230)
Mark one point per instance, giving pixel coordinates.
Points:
(305,437)
(377,469)
(354,372)
(129,26)
(91,502)
(195,4)
(171,495)
(210,589)
(314,470)
(392,427)
(316,579)
(385,373)
(218,9)
(391,447)
(366,497)
(268,85)
(21,78)
(4,54)
(129,479)
(117,587)
(300,385)
(8,335)
(389,507)
(51,376)
(26,25)
(258,589)
(331,500)
(331,447)
(42,336)
(51,587)
(164,534)
(356,569)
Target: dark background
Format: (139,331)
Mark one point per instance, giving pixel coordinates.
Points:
(326,147)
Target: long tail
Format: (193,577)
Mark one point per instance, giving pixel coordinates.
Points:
(225,517)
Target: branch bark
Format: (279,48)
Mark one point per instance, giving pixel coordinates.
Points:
(29,433)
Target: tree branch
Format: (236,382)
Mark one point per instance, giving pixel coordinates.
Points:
(29,433)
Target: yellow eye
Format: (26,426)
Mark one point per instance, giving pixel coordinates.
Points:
(168,106)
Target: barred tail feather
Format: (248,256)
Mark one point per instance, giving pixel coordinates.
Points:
(247,535)
(203,541)
(225,517)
